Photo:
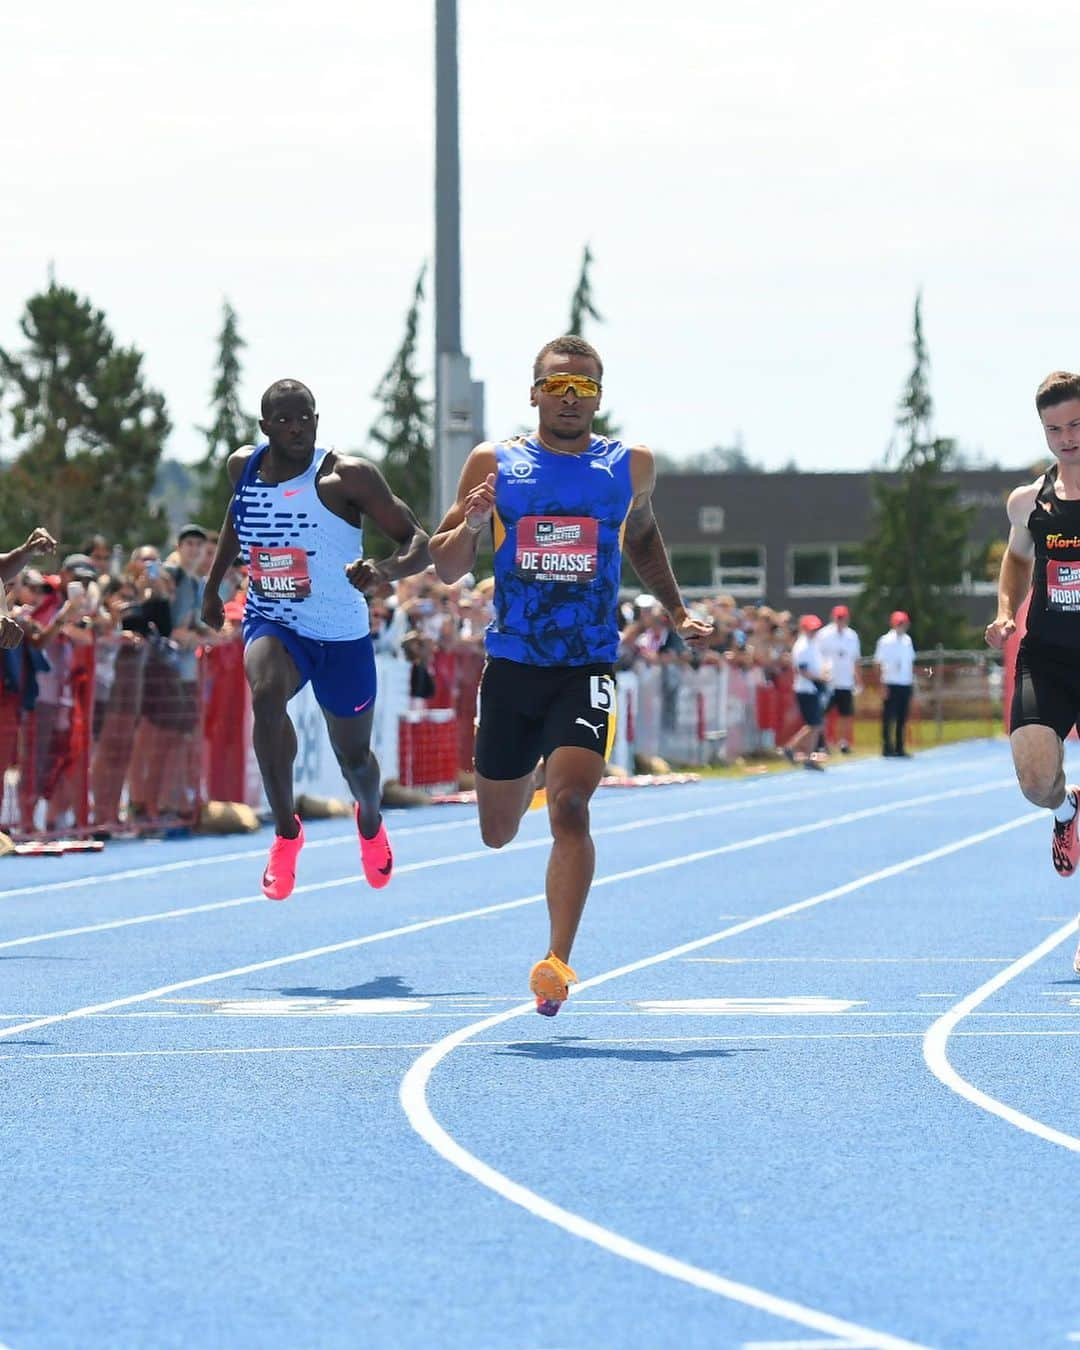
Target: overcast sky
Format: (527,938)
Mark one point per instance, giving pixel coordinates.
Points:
(764,187)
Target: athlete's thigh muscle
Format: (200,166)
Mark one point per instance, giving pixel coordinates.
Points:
(269,667)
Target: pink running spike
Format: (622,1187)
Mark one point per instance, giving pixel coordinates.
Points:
(376,855)
(280,875)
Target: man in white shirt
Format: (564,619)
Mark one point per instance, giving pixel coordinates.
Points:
(841,650)
(895,657)
(809,687)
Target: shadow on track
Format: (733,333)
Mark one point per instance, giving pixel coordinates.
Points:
(575,1047)
(382,986)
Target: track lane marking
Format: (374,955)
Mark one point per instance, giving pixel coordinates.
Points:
(935,1045)
(413,1097)
(758,798)
(646,870)
(393,1046)
(517,846)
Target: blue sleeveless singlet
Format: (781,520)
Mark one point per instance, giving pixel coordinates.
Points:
(558,527)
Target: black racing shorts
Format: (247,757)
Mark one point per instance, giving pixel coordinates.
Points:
(842,702)
(527,712)
(1046,692)
(810,707)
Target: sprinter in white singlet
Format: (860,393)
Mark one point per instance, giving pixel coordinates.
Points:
(296,516)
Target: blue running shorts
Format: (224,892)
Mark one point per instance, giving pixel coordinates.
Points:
(342,674)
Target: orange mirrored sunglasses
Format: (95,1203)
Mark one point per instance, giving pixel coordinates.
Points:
(583,386)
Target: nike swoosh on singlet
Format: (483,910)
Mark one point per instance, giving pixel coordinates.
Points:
(292,492)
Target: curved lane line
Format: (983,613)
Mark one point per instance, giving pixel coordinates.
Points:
(935,1043)
(413,1096)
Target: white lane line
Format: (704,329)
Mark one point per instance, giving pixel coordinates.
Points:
(935,1045)
(749,1038)
(92,881)
(413,1096)
(444,860)
(804,1345)
(646,870)
(850,960)
(758,798)
(517,847)
(581,1010)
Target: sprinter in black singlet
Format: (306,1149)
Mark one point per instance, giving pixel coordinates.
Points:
(1044,556)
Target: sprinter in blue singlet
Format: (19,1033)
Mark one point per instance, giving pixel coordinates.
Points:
(562,505)
(296,517)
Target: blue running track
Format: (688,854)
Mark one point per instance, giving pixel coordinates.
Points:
(817,1087)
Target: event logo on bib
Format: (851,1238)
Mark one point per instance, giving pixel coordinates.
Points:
(279,573)
(1063,585)
(556,548)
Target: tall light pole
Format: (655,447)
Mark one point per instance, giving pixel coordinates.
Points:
(458,401)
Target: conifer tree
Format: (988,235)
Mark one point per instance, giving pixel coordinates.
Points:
(917,543)
(403,428)
(231,427)
(582,307)
(86,428)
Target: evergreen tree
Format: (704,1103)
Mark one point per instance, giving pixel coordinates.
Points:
(231,427)
(88,431)
(582,307)
(917,543)
(403,429)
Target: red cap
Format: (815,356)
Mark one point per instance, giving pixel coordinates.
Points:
(809,623)
(898,616)
(840,612)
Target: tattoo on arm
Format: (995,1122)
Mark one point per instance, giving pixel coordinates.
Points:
(645,548)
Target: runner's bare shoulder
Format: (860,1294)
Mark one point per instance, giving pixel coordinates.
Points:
(481,461)
(237,460)
(361,479)
(642,469)
(1022,502)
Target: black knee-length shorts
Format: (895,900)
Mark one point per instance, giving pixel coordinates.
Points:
(1047,688)
(525,713)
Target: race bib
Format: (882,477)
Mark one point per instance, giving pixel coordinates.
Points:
(556,548)
(1063,586)
(279,573)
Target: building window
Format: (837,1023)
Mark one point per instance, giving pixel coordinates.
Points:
(835,569)
(740,571)
(693,567)
(850,568)
(711,519)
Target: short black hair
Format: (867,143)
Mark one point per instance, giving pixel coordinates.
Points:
(567,345)
(279,389)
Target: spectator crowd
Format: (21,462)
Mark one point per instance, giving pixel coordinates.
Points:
(108,676)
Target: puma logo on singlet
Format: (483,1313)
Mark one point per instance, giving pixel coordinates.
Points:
(580,721)
(602,464)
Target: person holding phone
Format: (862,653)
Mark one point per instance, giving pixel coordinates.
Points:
(38,541)
(561,506)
